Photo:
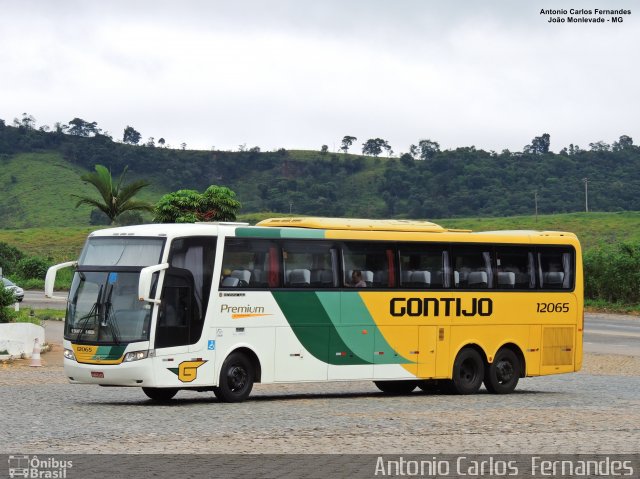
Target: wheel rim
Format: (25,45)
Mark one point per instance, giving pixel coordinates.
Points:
(504,371)
(468,371)
(237,378)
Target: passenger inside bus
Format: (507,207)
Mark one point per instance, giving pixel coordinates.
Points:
(356,279)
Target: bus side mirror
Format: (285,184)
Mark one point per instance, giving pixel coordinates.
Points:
(50,279)
(146,281)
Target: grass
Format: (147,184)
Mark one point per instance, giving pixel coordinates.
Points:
(592,228)
(601,306)
(25,315)
(37,188)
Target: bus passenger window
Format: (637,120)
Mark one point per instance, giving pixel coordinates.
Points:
(375,262)
(422,266)
(555,268)
(250,263)
(515,268)
(309,264)
(473,267)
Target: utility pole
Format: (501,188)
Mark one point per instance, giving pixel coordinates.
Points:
(586,194)
(535,199)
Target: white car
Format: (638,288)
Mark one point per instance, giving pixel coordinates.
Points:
(18,292)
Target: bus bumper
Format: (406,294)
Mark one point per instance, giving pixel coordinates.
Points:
(134,373)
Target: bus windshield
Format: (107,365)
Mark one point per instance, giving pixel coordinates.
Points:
(103,302)
(104,308)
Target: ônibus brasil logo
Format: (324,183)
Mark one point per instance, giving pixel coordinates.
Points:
(35,467)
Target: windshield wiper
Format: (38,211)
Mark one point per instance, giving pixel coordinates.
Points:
(108,319)
(93,313)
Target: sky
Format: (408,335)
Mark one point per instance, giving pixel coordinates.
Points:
(298,74)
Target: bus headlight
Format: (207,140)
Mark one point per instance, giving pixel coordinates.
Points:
(68,354)
(135,356)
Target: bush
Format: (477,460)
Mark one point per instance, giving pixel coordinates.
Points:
(612,273)
(9,257)
(33,267)
(6,299)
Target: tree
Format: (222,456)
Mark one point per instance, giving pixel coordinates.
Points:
(150,142)
(79,127)
(428,149)
(599,146)
(131,136)
(7,298)
(161,142)
(539,145)
(116,198)
(28,122)
(217,203)
(374,146)
(347,141)
(623,143)
(324,149)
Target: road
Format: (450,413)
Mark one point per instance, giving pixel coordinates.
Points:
(612,334)
(37,299)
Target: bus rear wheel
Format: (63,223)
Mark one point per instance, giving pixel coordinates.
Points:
(236,379)
(160,394)
(468,372)
(396,387)
(503,373)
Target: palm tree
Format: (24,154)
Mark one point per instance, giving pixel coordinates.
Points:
(116,198)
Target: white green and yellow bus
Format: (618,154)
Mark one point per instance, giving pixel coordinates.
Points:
(406,304)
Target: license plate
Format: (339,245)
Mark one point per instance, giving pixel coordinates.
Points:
(97,374)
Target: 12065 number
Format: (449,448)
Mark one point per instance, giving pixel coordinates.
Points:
(553,307)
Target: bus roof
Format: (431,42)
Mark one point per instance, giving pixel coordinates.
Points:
(354,224)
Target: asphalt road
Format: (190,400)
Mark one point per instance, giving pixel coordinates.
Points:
(612,334)
(37,299)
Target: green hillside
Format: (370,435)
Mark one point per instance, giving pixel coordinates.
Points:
(37,188)
(40,169)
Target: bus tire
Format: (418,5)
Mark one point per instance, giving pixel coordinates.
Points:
(160,394)
(396,387)
(236,379)
(502,375)
(468,372)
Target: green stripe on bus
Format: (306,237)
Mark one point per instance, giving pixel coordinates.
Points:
(109,352)
(336,327)
(252,232)
(356,319)
(314,328)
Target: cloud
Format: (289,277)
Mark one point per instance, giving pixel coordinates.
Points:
(301,74)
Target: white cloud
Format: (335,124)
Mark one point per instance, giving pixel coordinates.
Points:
(300,74)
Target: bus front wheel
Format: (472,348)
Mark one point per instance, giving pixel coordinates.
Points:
(236,379)
(396,387)
(503,373)
(468,372)
(160,394)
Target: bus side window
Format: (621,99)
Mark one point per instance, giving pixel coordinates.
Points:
(309,264)
(515,269)
(250,264)
(473,267)
(422,266)
(375,262)
(556,268)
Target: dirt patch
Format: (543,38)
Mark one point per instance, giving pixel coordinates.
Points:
(611,364)
(52,358)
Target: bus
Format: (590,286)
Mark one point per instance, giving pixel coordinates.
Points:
(405,304)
